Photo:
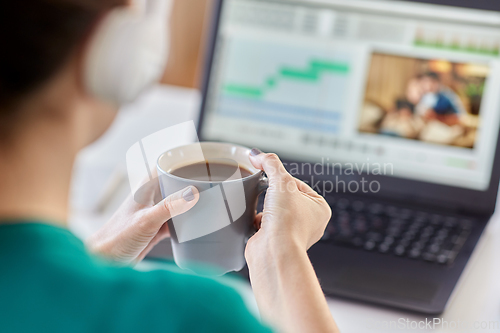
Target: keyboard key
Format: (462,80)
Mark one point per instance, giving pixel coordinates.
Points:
(437,240)
(421,217)
(459,240)
(442,259)
(445,257)
(357,242)
(342,204)
(358,206)
(378,223)
(428,231)
(450,222)
(360,226)
(346,231)
(344,220)
(399,250)
(434,248)
(410,234)
(397,222)
(392,211)
(466,224)
(370,245)
(443,233)
(419,245)
(406,213)
(405,242)
(415,226)
(429,256)
(376,209)
(374,236)
(414,253)
(448,246)
(389,240)
(436,220)
(384,248)
(396,230)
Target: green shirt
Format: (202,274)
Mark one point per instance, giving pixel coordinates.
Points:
(49,283)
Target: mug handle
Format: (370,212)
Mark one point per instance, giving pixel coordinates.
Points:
(263,183)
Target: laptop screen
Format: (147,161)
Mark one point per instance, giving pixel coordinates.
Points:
(410,87)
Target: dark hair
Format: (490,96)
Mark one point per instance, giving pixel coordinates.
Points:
(37,37)
(433,75)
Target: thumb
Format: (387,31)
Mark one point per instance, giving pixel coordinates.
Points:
(173,205)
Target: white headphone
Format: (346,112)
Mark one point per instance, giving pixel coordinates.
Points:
(128,52)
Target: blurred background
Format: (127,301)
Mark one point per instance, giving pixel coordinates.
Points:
(189,22)
(100,182)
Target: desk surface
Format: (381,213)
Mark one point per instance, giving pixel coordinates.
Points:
(476,300)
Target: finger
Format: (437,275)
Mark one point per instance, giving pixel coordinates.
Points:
(305,188)
(147,193)
(175,204)
(271,165)
(258,221)
(161,235)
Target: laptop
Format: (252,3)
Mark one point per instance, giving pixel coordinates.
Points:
(390,110)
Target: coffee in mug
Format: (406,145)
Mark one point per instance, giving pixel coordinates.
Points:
(211,171)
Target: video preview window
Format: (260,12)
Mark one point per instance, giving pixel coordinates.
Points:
(435,101)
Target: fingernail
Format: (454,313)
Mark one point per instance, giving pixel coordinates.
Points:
(188,194)
(255,152)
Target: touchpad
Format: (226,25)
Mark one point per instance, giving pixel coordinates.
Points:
(380,284)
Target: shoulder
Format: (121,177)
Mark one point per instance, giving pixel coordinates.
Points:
(170,299)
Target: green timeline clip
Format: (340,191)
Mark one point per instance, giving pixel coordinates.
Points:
(311,74)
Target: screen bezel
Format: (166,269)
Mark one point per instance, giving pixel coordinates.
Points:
(476,4)
(456,199)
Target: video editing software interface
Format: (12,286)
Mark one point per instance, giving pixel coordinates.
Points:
(411,84)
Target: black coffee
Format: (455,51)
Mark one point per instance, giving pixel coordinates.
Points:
(211,171)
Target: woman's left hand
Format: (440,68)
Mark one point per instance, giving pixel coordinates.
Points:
(136,228)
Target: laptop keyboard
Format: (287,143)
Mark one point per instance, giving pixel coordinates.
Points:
(392,230)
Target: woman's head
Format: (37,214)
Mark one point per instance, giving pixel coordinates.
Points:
(43,45)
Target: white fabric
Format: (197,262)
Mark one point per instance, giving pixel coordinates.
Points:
(128,52)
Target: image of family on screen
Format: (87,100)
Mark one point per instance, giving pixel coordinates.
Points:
(435,101)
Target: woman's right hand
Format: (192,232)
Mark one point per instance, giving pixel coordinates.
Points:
(294,214)
(283,280)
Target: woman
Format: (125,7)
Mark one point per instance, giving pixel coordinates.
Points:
(50,281)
